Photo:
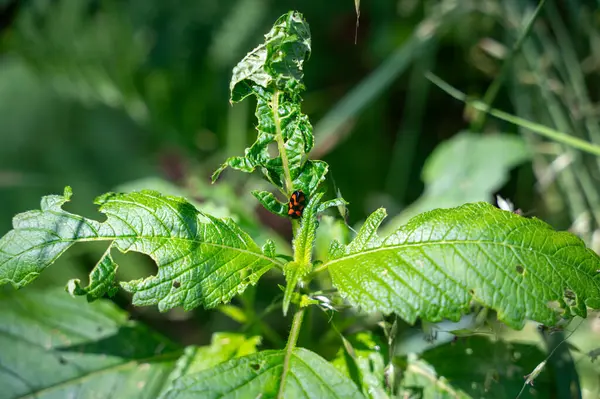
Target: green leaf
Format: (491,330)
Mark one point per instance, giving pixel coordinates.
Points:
(313,174)
(102,280)
(304,238)
(223,347)
(270,203)
(259,375)
(363,359)
(201,260)
(338,202)
(276,63)
(434,266)
(467,168)
(273,73)
(303,244)
(479,368)
(330,229)
(54,346)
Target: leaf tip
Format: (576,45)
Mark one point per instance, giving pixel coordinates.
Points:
(74,289)
(68,192)
(217,173)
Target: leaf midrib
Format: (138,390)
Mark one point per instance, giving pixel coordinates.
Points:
(113,238)
(450,243)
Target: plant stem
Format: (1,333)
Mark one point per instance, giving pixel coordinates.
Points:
(291,344)
(281,144)
(542,130)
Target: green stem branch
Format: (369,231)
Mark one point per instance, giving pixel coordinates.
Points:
(494,88)
(542,130)
(291,344)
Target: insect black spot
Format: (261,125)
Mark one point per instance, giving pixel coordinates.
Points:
(472,292)
(520,269)
(176,284)
(62,360)
(255,366)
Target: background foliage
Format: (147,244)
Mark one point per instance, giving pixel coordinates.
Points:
(109,95)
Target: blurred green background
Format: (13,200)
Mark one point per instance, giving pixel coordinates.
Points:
(114,95)
(98,93)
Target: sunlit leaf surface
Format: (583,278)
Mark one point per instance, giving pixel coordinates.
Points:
(434,266)
(201,260)
(259,375)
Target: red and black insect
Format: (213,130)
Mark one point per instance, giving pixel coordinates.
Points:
(296,204)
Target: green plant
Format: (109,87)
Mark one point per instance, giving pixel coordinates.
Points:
(441,264)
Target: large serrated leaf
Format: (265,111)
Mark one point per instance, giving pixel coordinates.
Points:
(434,266)
(259,375)
(56,347)
(201,260)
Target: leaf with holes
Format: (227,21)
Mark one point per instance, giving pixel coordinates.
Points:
(260,375)
(201,260)
(273,73)
(435,265)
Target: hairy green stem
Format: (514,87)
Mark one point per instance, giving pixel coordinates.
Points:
(281,144)
(291,344)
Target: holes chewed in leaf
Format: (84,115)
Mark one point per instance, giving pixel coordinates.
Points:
(569,297)
(272,150)
(167,232)
(519,269)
